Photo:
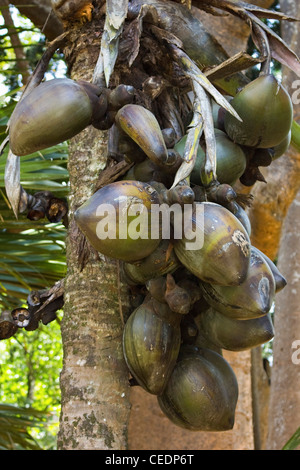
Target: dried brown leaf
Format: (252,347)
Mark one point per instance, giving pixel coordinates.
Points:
(116,12)
(237,63)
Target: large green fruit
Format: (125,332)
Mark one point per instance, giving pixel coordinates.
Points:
(151,342)
(280,281)
(281,148)
(242,215)
(117,220)
(223,255)
(235,335)
(160,262)
(251,299)
(53,112)
(231,160)
(143,128)
(202,392)
(266,111)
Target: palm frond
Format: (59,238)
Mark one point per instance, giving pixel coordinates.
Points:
(294,442)
(15,423)
(32,253)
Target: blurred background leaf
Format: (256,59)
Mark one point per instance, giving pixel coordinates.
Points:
(15,423)
(32,253)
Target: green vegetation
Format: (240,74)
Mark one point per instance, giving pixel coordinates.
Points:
(32,257)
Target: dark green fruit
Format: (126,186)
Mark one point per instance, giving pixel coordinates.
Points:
(189,330)
(202,392)
(53,112)
(231,160)
(251,299)
(151,342)
(143,171)
(218,113)
(161,261)
(266,111)
(280,281)
(242,215)
(281,148)
(235,335)
(223,255)
(117,220)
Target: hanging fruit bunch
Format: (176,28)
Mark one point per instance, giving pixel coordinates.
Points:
(185,154)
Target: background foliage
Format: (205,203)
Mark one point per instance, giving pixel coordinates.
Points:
(32,257)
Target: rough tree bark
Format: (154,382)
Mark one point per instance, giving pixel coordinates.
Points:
(284,415)
(94,379)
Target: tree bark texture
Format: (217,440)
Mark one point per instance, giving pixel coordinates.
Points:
(230,31)
(284,409)
(260,381)
(94,379)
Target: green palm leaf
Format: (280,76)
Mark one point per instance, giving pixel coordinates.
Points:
(32,253)
(293,442)
(30,260)
(14,424)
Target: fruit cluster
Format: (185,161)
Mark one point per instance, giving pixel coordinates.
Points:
(198,301)
(193,303)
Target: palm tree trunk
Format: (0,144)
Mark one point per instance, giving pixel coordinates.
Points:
(94,379)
